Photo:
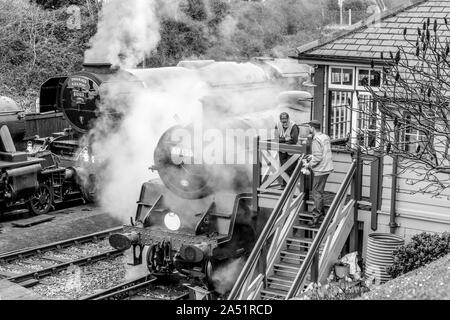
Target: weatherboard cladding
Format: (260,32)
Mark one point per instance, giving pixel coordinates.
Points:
(384,35)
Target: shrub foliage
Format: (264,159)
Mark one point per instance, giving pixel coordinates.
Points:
(421,250)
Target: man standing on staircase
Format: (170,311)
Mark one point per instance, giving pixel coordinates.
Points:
(287,132)
(321,164)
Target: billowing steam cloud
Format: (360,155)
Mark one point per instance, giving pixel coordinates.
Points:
(127,31)
(225,277)
(126,152)
(124,149)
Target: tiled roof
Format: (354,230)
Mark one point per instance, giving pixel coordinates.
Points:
(368,39)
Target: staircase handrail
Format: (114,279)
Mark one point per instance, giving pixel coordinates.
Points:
(340,195)
(267,231)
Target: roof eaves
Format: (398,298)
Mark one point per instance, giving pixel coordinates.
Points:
(334,58)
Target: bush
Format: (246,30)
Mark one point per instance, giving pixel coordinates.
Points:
(334,291)
(421,250)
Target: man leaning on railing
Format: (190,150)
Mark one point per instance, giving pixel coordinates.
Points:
(286,132)
(321,164)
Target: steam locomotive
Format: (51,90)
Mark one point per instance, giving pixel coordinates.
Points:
(80,95)
(198,217)
(34,179)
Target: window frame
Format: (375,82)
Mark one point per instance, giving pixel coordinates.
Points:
(363,88)
(341,86)
(364,118)
(407,143)
(331,114)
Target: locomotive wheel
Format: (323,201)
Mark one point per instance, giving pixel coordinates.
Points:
(41,201)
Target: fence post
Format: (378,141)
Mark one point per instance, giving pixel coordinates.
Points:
(315,268)
(307,180)
(256,175)
(356,195)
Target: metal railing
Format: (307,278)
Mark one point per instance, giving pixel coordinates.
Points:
(314,249)
(267,232)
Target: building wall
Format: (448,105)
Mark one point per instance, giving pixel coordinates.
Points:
(416,213)
(341,163)
(410,201)
(408,226)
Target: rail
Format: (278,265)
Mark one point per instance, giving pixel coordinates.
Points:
(324,230)
(124,289)
(23,253)
(37,274)
(274,220)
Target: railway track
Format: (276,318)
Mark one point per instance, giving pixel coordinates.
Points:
(32,266)
(132,289)
(27,267)
(21,254)
(32,277)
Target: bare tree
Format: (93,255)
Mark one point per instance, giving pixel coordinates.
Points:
(408,117)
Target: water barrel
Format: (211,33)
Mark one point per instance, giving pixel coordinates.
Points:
(379,255)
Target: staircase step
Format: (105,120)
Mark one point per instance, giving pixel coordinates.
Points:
(286,269)
(292,258)
(278,286)
(287,266)
(285,273)
(273,294)
(300,240)
(303,226)
(298,247)
(305,214)
(281,279)
(311,202)
(293,253)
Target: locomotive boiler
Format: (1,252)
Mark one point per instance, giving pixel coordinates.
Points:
(198,217)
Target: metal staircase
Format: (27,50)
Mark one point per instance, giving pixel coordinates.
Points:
(289,254)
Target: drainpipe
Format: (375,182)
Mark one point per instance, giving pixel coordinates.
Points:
(392,221)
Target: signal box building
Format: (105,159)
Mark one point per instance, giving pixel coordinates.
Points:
(390,201)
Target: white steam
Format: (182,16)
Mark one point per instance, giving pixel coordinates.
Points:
(225,277)
(127,151)
(127,31)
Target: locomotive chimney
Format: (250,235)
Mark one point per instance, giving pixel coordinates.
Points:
(100,68)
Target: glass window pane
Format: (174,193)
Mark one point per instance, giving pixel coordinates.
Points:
(347,77)
(363,78)
(336,76)
(340,115)
(375,78)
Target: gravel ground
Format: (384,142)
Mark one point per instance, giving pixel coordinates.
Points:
(68,223)
(160,292)
(77,282)
(431,282)
(37,262)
